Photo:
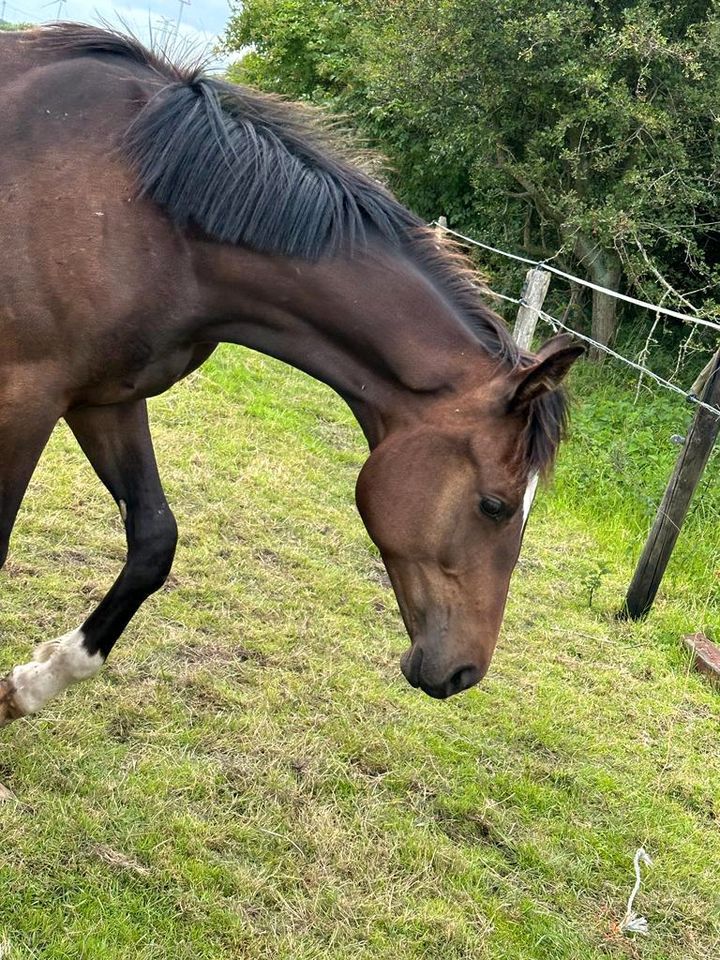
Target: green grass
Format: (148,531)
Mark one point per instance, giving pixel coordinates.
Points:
(251,777)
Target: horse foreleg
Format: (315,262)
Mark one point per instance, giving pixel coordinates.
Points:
(117,442)
(23,435)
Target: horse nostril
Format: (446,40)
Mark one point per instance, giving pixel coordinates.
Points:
(462,679)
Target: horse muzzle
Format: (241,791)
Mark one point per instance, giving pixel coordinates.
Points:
(437,679)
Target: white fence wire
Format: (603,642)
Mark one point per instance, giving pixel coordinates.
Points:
(545,265)
(560,325)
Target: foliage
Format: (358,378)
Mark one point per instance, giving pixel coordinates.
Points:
(593,578)
(301,48)
(584,131)
(251,777)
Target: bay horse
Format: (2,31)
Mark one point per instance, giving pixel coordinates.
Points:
(149,212)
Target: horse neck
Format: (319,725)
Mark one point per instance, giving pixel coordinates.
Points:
(372,327)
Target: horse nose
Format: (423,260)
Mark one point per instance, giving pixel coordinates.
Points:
(418,671)
(411,664)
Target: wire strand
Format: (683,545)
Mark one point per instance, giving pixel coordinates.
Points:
(555,324)
(544,265)
(560,325)
(502,296)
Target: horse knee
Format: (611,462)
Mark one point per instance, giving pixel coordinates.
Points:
(151,554)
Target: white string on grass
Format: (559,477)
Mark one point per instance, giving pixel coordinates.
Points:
(631,922)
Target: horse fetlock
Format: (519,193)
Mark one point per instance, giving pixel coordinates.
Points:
(68,659)
(56,665)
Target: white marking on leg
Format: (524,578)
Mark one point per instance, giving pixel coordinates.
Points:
(123,510)
(57,664)
(530,492)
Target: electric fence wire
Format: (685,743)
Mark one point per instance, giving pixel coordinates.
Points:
(560,325)
(544,265)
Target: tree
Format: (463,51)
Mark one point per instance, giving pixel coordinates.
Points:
(580,130)
(301,48)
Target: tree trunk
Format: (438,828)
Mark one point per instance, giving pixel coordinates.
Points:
(605,269)
(604,321)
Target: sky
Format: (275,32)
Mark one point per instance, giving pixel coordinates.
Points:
(202,21)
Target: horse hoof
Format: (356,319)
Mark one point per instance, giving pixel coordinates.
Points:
(8,707)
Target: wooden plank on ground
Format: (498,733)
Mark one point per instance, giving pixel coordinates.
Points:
(706,655)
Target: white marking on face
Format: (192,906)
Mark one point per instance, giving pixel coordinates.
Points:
(57,664)
(530,492)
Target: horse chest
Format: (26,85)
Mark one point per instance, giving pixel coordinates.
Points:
(134,377)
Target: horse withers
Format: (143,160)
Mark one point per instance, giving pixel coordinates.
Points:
(149,212)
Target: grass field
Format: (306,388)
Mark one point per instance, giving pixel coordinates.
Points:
(251,777)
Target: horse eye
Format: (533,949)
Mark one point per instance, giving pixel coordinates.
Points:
(492,507)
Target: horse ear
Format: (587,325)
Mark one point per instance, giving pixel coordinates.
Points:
(553,361)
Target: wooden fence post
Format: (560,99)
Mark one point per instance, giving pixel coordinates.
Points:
(702,378)
(533,295)
(671,513)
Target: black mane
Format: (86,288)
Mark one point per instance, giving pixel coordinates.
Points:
(251,169)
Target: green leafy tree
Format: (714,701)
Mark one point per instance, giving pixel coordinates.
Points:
(584,131)
(301,48)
